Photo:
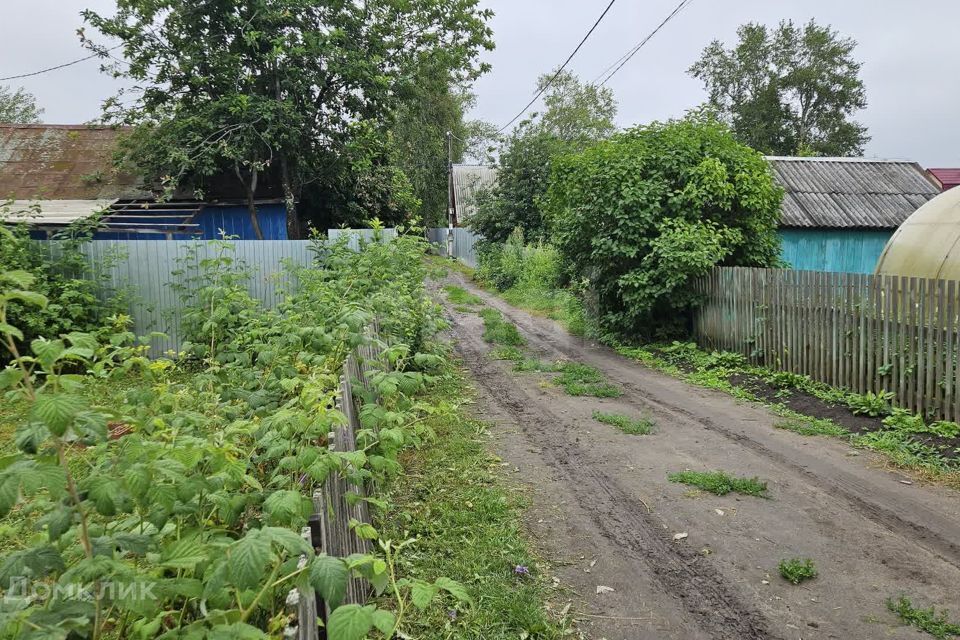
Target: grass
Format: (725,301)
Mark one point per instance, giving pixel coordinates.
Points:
(507,353)
(796,570)
(721,483)
(535,365)
(499,331)
(631,426)
(928,620)
(583,380)
(811,427)
(560,305)
(460,296)
(468,527)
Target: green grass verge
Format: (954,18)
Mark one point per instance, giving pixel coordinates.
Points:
(468,527)
(721,483)
(929,620)
(811,427)
(631,426)
(583,380)
(560,305)
(796,570)
(514,354)
(498,330)
(459,295)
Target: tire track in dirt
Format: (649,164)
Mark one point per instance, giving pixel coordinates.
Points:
(846,486)
(678,569)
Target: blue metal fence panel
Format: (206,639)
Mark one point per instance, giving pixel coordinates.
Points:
(834,250)
(235,221)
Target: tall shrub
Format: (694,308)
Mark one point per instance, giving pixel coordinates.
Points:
(648,211)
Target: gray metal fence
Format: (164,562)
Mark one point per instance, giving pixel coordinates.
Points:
(464,242)
(356,235)
(143,269)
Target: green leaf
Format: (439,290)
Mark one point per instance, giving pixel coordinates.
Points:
(9,493)
(287,507)
(328,576)
(384,621)
(9,329)
(18,278)
(47,351)
(248,559)
(350,622)
(454,588)
(185,553)
(10,376)
(57,410)
(236,631)
(364,530)
(82,340)
(28,297)
(422,594)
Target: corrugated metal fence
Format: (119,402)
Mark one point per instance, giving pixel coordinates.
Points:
(858,332)
(144,269)
(464,242)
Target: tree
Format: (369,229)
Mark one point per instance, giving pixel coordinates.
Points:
(274,88)
(577,115)
(18,106)
(641,215)
(789,91)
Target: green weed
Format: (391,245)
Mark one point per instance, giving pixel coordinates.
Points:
(448,496)
(928,620)
(583,380)
(811,427)
(507,353)
(631,426)
(498,330)
(535,365)
(871,404)
(796,570)
(721,483)
(459,295)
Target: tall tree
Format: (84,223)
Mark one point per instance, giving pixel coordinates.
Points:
(18,106)
(788,91)
(577,115)
(274,87)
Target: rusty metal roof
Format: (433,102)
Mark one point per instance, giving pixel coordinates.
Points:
(62,162)
(850,192)
(468,179)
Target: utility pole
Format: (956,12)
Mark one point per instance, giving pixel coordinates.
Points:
(451,207)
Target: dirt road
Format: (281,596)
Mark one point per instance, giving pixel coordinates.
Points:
(605,515)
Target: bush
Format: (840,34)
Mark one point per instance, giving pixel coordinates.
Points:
(76,294)
(644,214)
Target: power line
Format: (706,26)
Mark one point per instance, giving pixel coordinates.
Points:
(624,59)
(59,66)
(562,67)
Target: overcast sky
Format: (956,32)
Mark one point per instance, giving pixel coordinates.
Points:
(909,52)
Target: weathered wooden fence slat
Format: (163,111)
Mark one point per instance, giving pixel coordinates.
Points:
(863,333)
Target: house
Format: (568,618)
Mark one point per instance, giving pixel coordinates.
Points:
(839,213)
(468,181)
(946,178)
(58,174)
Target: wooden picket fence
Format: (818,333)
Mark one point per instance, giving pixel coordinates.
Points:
(863,333)
(329,528)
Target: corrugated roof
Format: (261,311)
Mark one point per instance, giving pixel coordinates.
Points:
(467,180)
(62,162)
(850,192)
(946,177)
(43,213)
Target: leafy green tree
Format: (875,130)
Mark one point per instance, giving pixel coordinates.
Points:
(788,91)
(18,106)
(640,216)
(274,89)
(577,115)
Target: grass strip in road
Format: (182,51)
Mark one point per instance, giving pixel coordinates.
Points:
(626,424)
(583,380)
(468,527)
(720,483)
(498,330)
(460,296)
(937,624)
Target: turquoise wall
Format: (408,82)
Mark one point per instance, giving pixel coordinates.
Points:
(842,250)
